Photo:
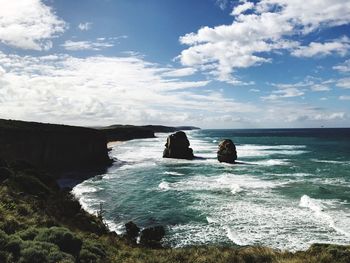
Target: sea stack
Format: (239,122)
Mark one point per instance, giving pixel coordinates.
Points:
(227,151)
(177,146)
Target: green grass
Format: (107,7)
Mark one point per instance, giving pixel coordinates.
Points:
(39,224)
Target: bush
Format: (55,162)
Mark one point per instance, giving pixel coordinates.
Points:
(14,245)
(37,252)
(33,255)
(28,234)
(61,257)
(86,256)
(95,248)
(62,237)
(3,239)
(10,226)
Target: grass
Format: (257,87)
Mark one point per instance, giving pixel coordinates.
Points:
(40,223)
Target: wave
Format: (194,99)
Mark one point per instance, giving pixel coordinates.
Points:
(234,237)
(318,208)
(313,204)
(164,186)
(271,162)
(330,161)
(174,173)
(225,182)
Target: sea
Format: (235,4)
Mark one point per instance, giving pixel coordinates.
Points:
(290,189)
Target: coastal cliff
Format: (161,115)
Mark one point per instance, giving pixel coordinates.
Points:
(129,132)
(52,147)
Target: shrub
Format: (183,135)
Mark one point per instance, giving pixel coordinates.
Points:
(33,255)
(37,252)
(3,239)
(28,234)
(62,237)
(86,256)
(61,257)
(10,226)
(13,245)
(94,248)
(23,210)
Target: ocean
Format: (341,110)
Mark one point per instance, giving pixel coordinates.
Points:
(292,190)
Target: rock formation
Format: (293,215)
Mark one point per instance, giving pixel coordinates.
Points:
(132,231)
(151,237)
(177,146)
(227,151)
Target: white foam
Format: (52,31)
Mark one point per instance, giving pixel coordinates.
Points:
(330,161)
(314,205)
(234,237)
(173,173)
(271,162)
(251,150)
(164,186)
(210,220)
(318,208)
(225,182)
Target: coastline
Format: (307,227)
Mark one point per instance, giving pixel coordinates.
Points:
(31,201)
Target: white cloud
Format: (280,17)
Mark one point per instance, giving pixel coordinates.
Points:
(298,113)
(254,90)
(343,97)
(242,8)
(104,90)
(268,28)
(85,26)
(338,46)
(222,4)
(320,87)
(181,72)
(343,83)
(344,67)
(28,24)
(284,93)
(86,45)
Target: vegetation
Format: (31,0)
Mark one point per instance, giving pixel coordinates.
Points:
(40,223)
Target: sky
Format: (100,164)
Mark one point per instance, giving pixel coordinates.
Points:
(208,63)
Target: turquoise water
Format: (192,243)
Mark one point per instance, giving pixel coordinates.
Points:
(292,190)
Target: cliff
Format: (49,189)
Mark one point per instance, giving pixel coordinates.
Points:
(53,147)
(126,132)
(130,132)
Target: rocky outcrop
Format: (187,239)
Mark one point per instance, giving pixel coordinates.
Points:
(132,231)
(57,148)
(177,146)
(227,151)
(151,237)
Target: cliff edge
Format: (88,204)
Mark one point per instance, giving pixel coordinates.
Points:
(52,147)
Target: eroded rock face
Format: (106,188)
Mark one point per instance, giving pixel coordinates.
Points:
(227,151)
(132,230)
(152,236)
(177,146)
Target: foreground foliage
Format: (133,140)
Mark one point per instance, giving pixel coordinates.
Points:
(40,223)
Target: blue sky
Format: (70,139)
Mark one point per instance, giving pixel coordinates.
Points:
(210,63)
